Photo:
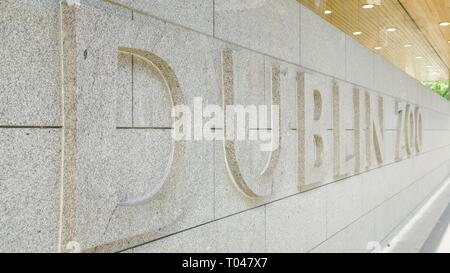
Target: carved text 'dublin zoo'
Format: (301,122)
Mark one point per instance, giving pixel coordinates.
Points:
(320,104)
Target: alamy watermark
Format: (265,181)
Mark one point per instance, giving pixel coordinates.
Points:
(234,123)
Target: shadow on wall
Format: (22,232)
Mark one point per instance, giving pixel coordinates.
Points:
(440,87)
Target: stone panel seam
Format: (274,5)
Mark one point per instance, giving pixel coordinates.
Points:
(249,49)
(379,205)
(297,66)
(214,180)
(203,33)
(293,195)
(132,88)
(29,127)
(402,221)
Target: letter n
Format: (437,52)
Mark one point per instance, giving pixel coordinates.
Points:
(374,130)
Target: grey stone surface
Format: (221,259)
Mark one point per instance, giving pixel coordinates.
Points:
(288,87)
(127,163)
(29,189)
(261,25)
(353,238)
(243,232)
(297,223)
(373,188)
(424,96)
(286,174)
(382,75)
(228,199)
(380,223)
(391,107)
(322,45)
(399,84)
(393,215)
(344,203)
(149,87)
(121,72)
(390,141)
(412,93)
(249,78)
(124,94)
(107,6)
(195,14)
(29,63)
(359,63)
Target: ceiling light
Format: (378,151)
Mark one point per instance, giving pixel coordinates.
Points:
(419,57)
(357,33)
(408,45)
(367,6)
(377,48)
(328,11)
(444,24)
(428,66)
(391,29)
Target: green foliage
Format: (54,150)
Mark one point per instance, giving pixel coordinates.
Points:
(440,87)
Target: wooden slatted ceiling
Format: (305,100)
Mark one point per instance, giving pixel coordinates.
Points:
(349,16)
(428,14)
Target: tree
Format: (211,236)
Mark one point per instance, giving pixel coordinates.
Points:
(440,87)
